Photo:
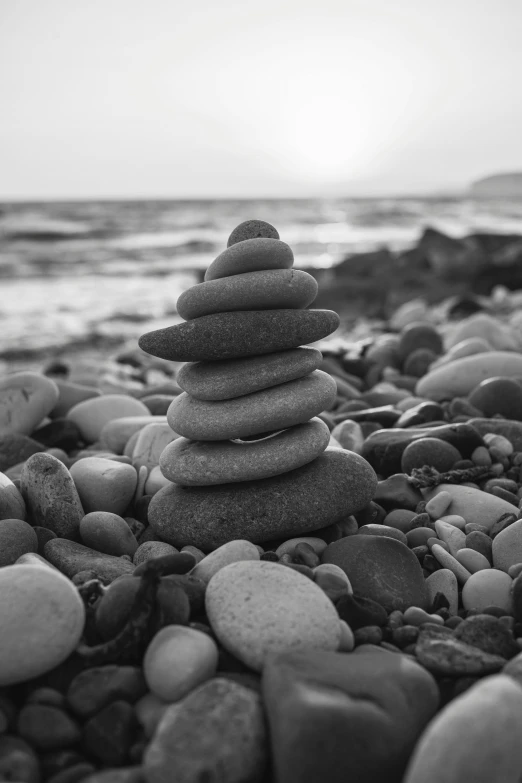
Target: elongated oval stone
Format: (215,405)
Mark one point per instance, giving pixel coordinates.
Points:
(327,490)
(251,255)
(264,411)
(51,496)
(237,334)
(269,289)
(200,463)
(237,377)
(459,378)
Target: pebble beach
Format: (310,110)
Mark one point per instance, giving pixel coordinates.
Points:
(241,550)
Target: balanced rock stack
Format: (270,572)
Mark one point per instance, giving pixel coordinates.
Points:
(251,461)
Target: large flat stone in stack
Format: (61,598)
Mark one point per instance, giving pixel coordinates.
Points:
(270,409)
(325,491)
(233,335)
(236,377)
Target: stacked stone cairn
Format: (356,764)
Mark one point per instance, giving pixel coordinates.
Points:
(252,458)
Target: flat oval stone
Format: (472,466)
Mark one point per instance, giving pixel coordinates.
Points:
(25,399)
(201,463)
(252,229)
(269,289)
(237,334)
(259,608)
(380,568)
(460,377)
(70,558)
(251,255)
(51,496)
(42,618)
(104,484)
(475,737)
(224,380)
(327,490)
(473,504)
(264,411)
(93,414)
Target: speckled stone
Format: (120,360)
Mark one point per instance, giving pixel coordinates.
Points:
(269,289)
(488,634)
(70,558)
(257,608)
(380,568)
(236,377)
(449,657)
(203,463)
(237,334)
(252,229)
(476,737)
(325,491)
(25,399)
(50,495)
(251,255)
(218,732)
(264,411)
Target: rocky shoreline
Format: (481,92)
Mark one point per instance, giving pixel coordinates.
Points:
(348,608)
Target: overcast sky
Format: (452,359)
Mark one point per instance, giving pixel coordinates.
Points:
(195,98)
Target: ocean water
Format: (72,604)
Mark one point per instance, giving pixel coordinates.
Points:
(80,272)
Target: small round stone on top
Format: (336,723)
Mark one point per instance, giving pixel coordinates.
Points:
(252,229)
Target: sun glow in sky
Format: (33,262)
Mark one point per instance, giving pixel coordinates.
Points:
(178,98)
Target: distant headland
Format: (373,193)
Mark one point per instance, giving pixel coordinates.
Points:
(498,185)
